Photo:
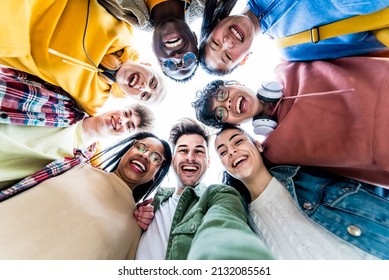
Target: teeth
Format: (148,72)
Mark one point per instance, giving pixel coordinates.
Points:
(237,34)
(237,105)
(113,123)
(238,160)
(189,168)
(138,163)
(173,43)
(134,81)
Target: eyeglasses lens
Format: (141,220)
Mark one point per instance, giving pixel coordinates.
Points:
(155,157)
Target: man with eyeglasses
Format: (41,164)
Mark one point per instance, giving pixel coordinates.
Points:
(193,221)
(330,114)
(174,43)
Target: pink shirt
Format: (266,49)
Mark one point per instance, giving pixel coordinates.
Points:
(345,131)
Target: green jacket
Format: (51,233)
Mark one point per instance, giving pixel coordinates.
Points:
(210,223)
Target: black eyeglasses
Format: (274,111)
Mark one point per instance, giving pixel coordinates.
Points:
(188,59)
(221,113)
(154,156)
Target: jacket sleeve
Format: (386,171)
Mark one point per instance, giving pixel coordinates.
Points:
(224,230)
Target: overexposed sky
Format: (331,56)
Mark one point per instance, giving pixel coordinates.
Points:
(177,103)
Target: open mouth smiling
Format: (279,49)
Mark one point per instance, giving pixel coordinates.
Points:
(189,169)
(239,161)
(138,166)
(238,104)
(133,79)
(173,43)
(114,123)
(237,33)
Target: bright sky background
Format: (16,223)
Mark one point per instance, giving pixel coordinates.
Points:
(177,103)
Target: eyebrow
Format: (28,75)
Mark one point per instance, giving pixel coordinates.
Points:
(154,82)
(229,140)
(201,146)
(214,42)
(186,146)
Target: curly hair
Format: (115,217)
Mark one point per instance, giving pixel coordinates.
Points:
(185,80)
(203,102)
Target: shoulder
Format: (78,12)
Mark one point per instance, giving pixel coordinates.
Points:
(216,189)
(162,194)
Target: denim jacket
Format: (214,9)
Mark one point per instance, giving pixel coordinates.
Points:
(284,18)
(210,223)
(348,208)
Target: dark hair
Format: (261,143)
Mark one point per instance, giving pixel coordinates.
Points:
(203,103)
(187,79)
(111,157)
(146,116)
(212,15)
(226,177)
(187,126)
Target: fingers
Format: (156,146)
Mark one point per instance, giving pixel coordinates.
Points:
(144,215)
(145,202)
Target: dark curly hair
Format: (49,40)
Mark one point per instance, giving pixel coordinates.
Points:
(203,102)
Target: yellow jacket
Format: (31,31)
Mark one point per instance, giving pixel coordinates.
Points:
(45,38)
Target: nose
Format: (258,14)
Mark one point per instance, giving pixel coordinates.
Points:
(190,156)
(120,121)
(232,151)
(124,120)
(228,104)
(228,43)
(146,154)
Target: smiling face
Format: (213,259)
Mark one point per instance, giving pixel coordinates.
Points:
(238,154)
(135,167)
(190,160)
(118,122)
(171,40)
(240,105)
(141,82)
(229,42)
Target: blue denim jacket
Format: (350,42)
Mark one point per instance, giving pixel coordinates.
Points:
(348,208)
(283,18)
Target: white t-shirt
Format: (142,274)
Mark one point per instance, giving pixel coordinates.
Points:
(153,243)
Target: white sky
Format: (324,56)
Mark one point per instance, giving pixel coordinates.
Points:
(177,103)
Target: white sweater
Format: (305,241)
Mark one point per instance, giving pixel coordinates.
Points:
(290,234)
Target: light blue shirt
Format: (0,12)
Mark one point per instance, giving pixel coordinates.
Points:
(283,18)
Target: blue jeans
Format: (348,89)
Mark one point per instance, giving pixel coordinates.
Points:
(352,210)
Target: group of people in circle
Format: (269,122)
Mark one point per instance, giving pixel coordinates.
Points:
(315,188)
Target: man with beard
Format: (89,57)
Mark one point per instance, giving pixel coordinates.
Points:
(193,221)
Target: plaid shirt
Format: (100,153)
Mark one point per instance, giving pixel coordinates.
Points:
(28,100)
(55,168)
